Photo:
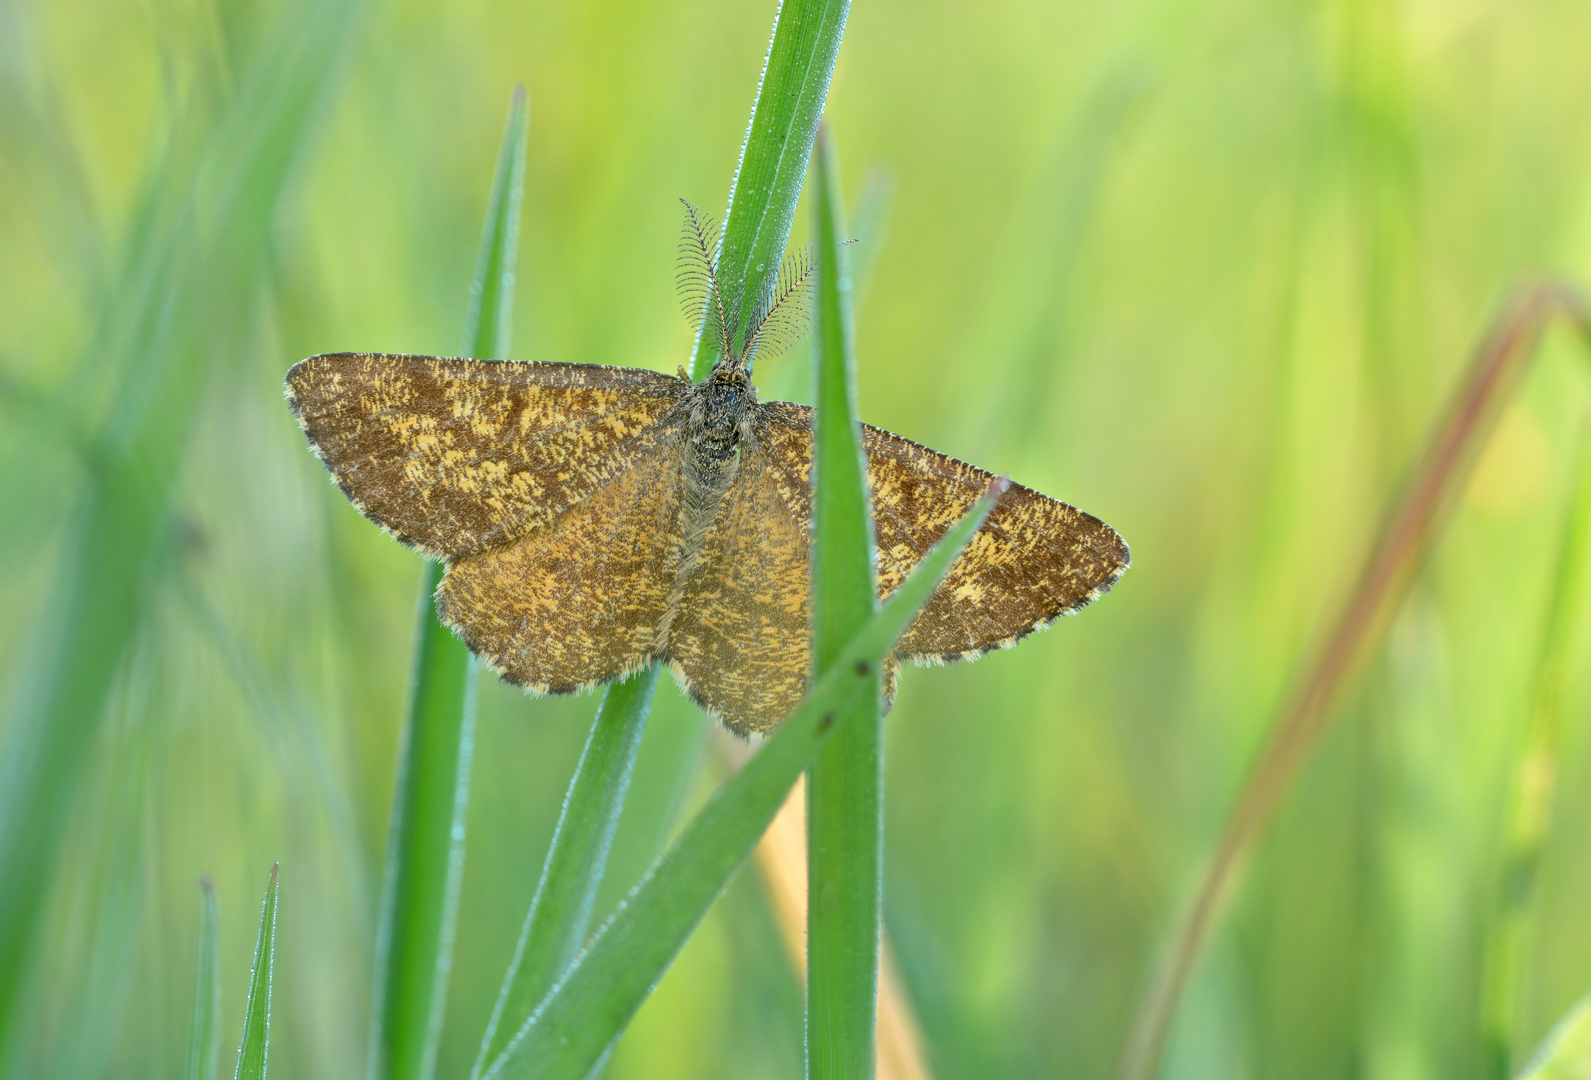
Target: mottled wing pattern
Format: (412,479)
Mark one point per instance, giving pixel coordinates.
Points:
(455,456)
(1034,560)
(740,639)
(578,602)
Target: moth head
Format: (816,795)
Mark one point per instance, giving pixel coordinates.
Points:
(713,306)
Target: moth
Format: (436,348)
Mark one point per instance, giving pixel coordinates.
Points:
(595,519)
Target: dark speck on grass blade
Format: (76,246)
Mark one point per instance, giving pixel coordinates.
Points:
(205,1048)
(255,1044)
(577,1024)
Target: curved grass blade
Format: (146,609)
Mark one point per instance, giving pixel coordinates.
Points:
(845,782)
(574,1028)
(177,315)
(1535,779)
(773,159)
(256,1042)
(560,914)
(1412,524)
(205,1048)
(425,844)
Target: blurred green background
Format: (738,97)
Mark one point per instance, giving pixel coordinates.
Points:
(1206,270)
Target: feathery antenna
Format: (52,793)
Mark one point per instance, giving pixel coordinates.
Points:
(782,319)
(778,322)
(696,275)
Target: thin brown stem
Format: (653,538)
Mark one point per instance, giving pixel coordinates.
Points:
(1413,521)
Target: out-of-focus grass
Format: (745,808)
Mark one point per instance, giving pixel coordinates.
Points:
(1412,527)
(1535,781)
(1204,270)
(205,1048)
(188,281)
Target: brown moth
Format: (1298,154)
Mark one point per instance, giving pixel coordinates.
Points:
(598,519)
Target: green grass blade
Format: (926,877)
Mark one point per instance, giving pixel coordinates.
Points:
(576,1025)
(560,914)
(425,847)
(167,328)
(845,807)
(205,1048)
(774,157)
(1534,783)
(256,1042)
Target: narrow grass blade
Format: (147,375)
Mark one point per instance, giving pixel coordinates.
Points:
(560,914)
(1565,1054)
(576,1025)
(774,157)
(256,1042)
(845,806)
(205,1048)
(1410,527)
(425,841)
(174,320)
(1535,779)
